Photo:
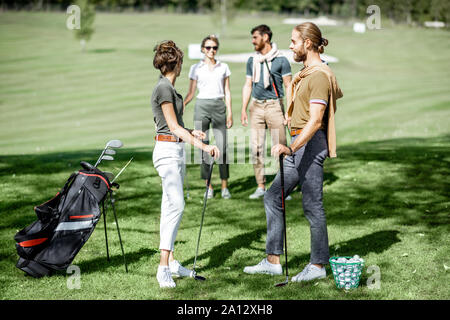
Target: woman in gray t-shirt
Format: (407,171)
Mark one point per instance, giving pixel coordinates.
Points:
(169,156)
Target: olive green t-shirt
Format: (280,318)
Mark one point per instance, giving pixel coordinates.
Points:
(165,92)
(315,88)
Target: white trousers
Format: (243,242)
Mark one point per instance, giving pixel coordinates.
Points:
(169,159)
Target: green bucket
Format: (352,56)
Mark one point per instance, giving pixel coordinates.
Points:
(346,275)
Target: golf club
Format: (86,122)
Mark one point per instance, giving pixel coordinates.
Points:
(208,182)
(282,284)
(111,152)
(122,170)
(106,157)
(187,186)
(109,144)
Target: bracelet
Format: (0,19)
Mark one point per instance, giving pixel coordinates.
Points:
(292,152)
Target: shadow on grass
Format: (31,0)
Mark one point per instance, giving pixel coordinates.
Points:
(101,263)
(405,179)
(376,242)
(220,253)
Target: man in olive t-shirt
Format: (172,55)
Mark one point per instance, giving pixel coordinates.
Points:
(314,89)
(312,94)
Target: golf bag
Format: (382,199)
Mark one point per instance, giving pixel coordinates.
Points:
(65,223)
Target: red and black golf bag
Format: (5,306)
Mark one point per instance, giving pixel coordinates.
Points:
(65,223)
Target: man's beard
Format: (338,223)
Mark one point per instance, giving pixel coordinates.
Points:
(299,56)
(259,46)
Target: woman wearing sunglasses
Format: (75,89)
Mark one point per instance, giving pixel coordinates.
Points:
(212,107)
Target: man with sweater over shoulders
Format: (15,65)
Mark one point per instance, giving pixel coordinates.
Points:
(265,109)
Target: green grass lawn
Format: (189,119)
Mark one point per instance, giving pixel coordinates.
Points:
(386,195)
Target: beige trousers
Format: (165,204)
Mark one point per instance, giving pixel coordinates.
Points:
(264,114)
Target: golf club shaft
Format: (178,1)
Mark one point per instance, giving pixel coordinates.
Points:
(208,182)
(100,158)
(122,170)
(284,211)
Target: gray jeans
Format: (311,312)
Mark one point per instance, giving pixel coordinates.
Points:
(305,167)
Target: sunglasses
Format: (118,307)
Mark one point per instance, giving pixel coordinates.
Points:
(209,48)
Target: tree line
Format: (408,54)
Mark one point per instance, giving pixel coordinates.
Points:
(400,11)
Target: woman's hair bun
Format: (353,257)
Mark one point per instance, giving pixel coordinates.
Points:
(167,56)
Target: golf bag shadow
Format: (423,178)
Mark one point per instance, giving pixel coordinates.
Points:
(65,223)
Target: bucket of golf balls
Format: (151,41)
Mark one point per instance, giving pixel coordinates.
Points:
(347,271)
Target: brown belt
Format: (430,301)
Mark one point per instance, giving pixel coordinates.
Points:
(295,132)
(167,138)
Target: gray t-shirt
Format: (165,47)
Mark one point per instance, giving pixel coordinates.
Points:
(280,68)
(165,92)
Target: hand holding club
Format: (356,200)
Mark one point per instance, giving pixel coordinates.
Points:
(280,149)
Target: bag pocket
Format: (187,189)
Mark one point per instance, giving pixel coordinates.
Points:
(33,238)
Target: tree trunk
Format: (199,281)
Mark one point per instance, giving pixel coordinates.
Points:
(83,45)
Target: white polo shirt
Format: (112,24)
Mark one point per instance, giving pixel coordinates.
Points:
(210,84)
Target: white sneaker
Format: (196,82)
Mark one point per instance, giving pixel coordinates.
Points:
(210,193)
(265,267)
(164,277)
(226,193)
(310,272)
(177,270)
(258,193)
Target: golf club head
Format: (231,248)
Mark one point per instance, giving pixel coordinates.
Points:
(197,277)
(110,152)
(114,144)
(282,284)
(107,158)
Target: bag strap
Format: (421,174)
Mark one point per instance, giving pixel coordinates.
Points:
(68,182)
